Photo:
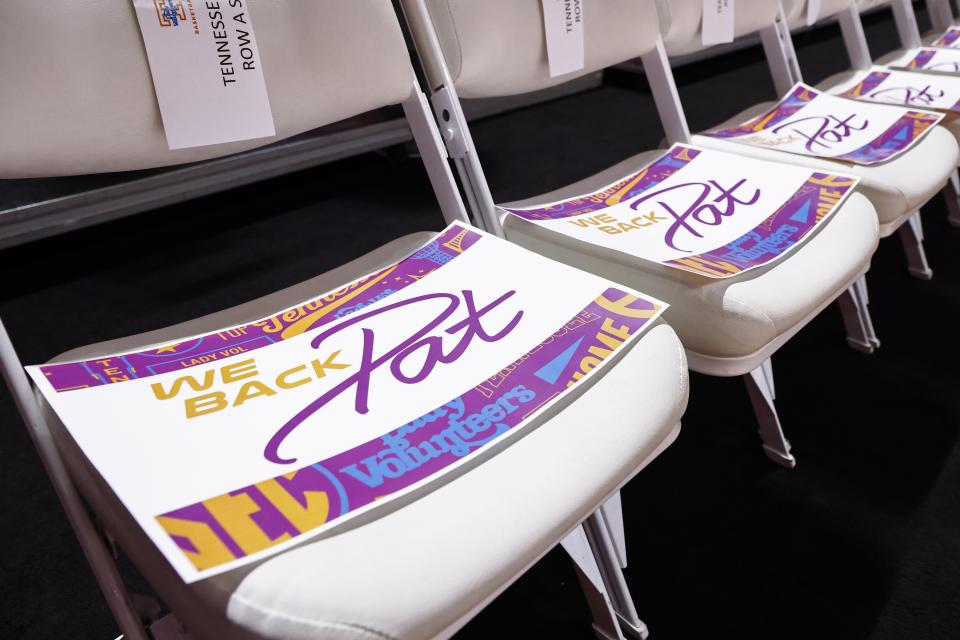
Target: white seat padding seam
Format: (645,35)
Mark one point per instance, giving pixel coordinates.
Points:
(357,630)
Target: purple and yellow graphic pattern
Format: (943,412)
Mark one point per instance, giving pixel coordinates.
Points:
(793,102)
(921,60)
(865,86)
(254,518)
(926,60)
(785,229)
(650,176)
(949,39)
(817,198)
(898,137)
(866,90)
(282,326)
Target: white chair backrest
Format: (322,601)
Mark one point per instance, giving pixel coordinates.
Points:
(941,14)
(77,97)
(906,19)
(498,47)
(681,22)
(796,10)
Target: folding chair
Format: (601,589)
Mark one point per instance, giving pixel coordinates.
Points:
(897,188)
(729,327)
(386,576)
(941,14)
(910,37)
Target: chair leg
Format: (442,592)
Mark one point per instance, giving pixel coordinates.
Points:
(98,556)
(767,366)
(168,628)
(597,549)
(606,535)
(605,624)
(612,514)
(911,235)
(856,317)
(951,193)
(775,445)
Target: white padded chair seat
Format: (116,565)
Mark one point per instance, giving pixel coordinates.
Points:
(387,575)
(953,126)
(721,318)
(895,188)
(949,123)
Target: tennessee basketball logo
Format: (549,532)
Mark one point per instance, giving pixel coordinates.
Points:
(169,13)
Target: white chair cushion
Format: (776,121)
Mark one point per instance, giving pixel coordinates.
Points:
(895,188)
(721,318)
(394,578)
(388,575)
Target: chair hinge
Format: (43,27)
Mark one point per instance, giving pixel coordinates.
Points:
(450,121)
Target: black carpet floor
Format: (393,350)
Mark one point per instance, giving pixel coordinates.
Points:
(861,540)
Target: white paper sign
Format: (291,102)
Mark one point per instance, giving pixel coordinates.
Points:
(811,123)
(950,39)
(704,211)
(563,26)
(718,22)
(927,59)
(241,442)
(206,70)
(923,90)
(813,11)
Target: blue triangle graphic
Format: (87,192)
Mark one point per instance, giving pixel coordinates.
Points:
(551,371)
(802,214)
(902,134)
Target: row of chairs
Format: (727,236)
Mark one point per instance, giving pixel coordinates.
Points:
(329,61)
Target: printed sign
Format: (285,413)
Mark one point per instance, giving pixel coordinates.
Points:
(563,26)
(926,59)
(811,123)
(904,87)
(950,39)
(718,22)
(706,212)
(206,70)
(233,445)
